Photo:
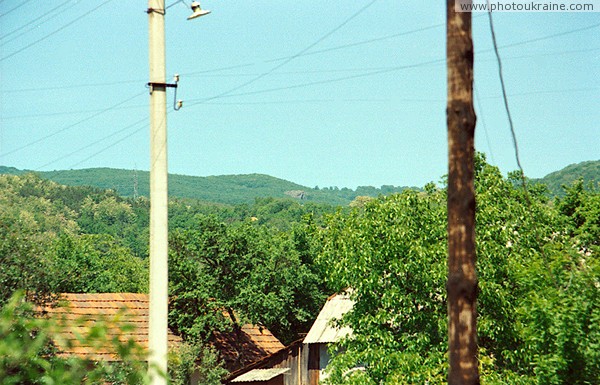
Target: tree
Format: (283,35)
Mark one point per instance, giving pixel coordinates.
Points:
(538,300)
(97,264)
(195,359)
(224,275)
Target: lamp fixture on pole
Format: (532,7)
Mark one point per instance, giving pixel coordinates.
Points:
(197,11)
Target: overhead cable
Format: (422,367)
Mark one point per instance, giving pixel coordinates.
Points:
(54,32)
(72,125)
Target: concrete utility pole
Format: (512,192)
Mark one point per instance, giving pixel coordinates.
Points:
(159,228)
(462,277)
(159,199)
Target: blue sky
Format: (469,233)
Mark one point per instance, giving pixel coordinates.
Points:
(328,93)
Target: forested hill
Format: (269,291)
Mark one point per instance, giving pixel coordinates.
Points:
(588,171)
(236,189)
(228,189)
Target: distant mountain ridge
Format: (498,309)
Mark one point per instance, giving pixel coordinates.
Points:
(589,171)
(245,188)
(226,189)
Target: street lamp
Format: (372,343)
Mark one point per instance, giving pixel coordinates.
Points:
(159,227)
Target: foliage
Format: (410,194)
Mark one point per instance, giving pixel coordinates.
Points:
(97,264)
(195,359)
(223,189)
(396,275)
(539,287)
(581,207)
(28,225)
(256,261)
(222,275)
(28,355)
(588,171)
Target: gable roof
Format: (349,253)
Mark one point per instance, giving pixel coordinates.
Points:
(249,344)
(323,330)
(125,316)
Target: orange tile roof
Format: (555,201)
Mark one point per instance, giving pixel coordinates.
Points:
(124,314)
(252,344)
(78,312)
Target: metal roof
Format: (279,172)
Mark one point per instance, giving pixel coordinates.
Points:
(323,331)
(260,375)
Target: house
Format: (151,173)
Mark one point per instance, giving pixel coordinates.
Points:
(245,346)
(126,317)
(287,366)
(304,361)
(324,332)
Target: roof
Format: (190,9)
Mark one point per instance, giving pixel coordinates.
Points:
(323,330)
(267,361)
(126,317)
(124,314)
(250,345)
(261,375)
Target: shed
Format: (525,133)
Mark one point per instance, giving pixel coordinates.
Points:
(291,360)
(324,332)
(272,376)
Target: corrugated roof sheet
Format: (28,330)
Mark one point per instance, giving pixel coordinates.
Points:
(322,331)
(124,314)
(261,374)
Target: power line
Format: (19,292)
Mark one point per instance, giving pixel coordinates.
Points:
(67,112)
(563,91)
(17,7)
(49,16)
(93,143)
(505,99)
(54,32)
(546,37)
(363,42)
(296,55)
(480,116)
(220,69)
(101,151)
(301,101)
(72,125)
(368,41)
(319,82)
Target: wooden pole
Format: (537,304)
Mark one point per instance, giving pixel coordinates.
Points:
(462,277)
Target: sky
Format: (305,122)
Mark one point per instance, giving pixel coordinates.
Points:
(321,93)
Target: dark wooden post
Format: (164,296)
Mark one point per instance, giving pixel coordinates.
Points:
(462,277)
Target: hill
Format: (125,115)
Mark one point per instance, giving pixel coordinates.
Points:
(589,171)
(228,189)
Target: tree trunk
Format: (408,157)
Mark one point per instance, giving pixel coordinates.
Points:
(462,277)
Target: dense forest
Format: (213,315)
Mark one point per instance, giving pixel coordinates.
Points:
(225,189)
(273,262)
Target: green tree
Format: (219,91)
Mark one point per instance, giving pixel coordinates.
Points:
(224,275)
(97,264)
(194,359)
(538,288)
